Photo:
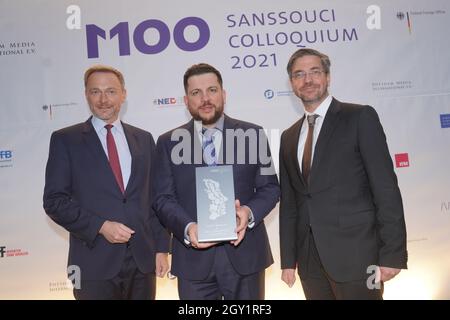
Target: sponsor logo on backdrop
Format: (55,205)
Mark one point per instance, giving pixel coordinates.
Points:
(18,48)
(50,108)
(392,85)
(168,101)
(445,206)
(189,34)
(445,120)
(401,160)
(9,253)
(407,16)
(401,16)
(6,158)
(270,94)
(73,281)
(58,286)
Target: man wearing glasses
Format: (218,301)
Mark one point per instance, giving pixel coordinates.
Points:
(341,214)
(97,186)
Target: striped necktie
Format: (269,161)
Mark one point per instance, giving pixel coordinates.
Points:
(209,150)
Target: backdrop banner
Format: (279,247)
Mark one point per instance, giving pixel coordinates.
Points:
(393,55)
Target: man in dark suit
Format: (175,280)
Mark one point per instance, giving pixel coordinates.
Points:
(215,270)
(97,186)
(341,212)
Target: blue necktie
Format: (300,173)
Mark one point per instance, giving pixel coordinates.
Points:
(209,151)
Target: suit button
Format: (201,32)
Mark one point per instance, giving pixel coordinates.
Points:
(309,195)
(124,200)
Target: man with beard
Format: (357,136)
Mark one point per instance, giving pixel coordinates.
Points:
(341,212)
(215,270)
(97,186)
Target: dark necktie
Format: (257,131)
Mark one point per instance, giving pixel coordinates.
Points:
(209,151)
(113,157)
(307,152)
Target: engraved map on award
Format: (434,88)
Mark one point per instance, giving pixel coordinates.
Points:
(216,213)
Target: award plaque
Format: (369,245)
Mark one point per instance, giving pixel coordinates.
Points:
(216,211)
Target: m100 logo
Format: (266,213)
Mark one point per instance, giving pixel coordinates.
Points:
(121,30)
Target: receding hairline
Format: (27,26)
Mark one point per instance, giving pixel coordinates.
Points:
(104,69)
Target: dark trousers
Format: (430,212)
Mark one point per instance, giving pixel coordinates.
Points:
(223,282)
(317,285)
(128,284)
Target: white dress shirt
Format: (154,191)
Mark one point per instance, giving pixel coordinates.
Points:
(321,111)
(121,144)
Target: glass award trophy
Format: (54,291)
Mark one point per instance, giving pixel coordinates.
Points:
(216,212)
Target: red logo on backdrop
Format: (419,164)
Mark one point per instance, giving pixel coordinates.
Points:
(401,160)
(12,252)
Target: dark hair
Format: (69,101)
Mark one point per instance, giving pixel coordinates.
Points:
(200,68)
(103,68)
(324,59)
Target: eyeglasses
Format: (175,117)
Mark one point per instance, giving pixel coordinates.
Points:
(110,93)
(301,75)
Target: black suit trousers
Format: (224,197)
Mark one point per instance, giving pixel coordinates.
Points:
(318,285)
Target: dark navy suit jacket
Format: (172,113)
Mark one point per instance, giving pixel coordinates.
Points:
(81,193)
(175,201)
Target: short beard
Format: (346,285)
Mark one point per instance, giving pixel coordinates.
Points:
(214,119)
(314,100)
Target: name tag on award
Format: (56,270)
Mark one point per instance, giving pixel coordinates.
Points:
(216,211)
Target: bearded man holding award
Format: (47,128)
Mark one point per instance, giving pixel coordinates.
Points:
(215,168)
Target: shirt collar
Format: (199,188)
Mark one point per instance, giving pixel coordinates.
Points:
(219,124)
(99,124)
(322,108)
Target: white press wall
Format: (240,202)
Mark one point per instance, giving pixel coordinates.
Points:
(393,55)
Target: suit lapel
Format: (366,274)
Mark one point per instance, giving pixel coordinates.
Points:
(135,153)
(331,120)
(94,145)
(196,144)
(293,147)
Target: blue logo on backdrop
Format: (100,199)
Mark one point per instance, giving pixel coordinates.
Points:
(269,94)
(5,155)
(445,120)
(168,101)
(5,158)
